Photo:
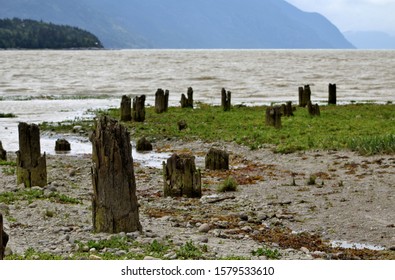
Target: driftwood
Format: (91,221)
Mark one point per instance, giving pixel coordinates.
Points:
(114,203)
(31,166)
(3,238)
(332,100)
(304,95)
(314,109)
(138,114)
(273,116)
(143,145)
(226,99)
(187,102)
(62,145)
(181,178)
(161,101)
(126,109)
(217,160)
(3,153)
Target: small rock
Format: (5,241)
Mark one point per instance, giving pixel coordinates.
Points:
(246,228)
(149,258)
(392,248)
(305,250)
(4,208)
(94,258)
(170,256)
(204,228)
(243,217)
(202,239)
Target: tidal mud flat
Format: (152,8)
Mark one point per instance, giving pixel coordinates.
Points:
(287,206)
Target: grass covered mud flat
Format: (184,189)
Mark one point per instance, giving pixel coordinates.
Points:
(298,192)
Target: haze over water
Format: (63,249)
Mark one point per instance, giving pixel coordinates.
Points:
(43,85)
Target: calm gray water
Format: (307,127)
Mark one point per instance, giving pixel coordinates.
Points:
(42,85)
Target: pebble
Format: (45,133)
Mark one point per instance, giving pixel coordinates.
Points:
(94,258)
(305,250)
(149,258)
(204,228)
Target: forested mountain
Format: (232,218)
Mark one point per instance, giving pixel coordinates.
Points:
(30,34)
(186,23)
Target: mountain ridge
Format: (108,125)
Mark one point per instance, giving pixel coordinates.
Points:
(188,23)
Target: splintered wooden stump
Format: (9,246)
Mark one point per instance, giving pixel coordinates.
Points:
(181,178)
(226,99)
(287,109)
(161,101)
(217,160)
(31,166)
(187,102)
(143,145)
(62,145)
(273,116)
(3,238)
(332,100)
(114,203)
(304,95)
(3,153)
(138,114)
(314,109)
(126,109)
(182,125)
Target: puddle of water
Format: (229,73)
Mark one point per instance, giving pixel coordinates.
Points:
(351,245)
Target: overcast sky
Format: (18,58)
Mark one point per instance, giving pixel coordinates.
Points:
(354,15)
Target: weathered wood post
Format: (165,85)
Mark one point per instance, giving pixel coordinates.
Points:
(62,145)
(3,238)
(138,114)
(114,204)
(187,102)
(217,160)
(287,109)
(182,125)
(273,116)
(161,101)
(31,166)
(314,109)
(181,178)
(332,100)
(226,99)
(3,153)
(126,108)
(143,145)
(304,95)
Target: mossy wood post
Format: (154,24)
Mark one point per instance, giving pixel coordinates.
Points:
(126,109)
(161,101)
(143,145)
(114,203)
(3,238)
(314,109)
(287,109)
(62,145)
(217,160)
(273,116)
(187,102)
(332,100)
(226,99)
(3,153)
(138,114)
(181,178)
(31,166)
(304,95)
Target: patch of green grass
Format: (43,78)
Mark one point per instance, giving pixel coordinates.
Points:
(156,249)
(229,185)
(7,163)
(189,252)
(9,171)
(34,194)
(7,115)
(32,254)
(268,253)
(371,145)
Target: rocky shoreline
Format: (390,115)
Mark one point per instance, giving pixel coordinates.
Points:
(293,205)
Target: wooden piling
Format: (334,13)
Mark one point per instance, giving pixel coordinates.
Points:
(62,145)
(143,145)
(161,101)
(138,114)
(273,116)
(332,100)
(114,204)
(187,102)
(217,160)
(126,108)
(31,166)
(181,178)
(314,109)
(3,238)
(226,99)
(3,153)
(304,95)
